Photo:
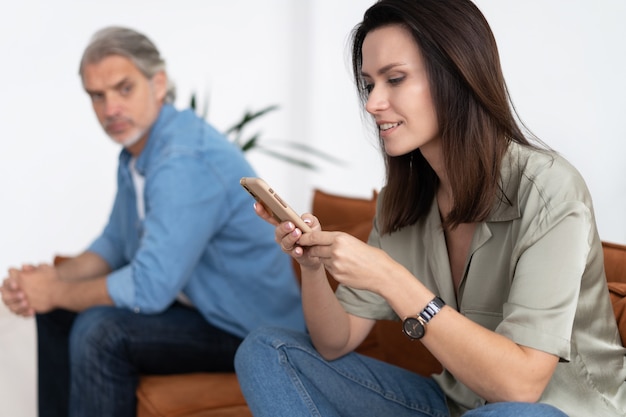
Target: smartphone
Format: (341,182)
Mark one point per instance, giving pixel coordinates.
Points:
(272,202)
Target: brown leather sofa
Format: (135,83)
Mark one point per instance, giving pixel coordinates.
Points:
(218,395)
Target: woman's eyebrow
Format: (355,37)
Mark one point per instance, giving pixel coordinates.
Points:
(384,69)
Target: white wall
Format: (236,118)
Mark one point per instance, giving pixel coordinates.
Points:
(564,61)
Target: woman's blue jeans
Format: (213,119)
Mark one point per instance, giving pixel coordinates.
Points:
(89,363)
(281,374)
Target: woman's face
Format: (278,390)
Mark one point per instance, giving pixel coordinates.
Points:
(399,97)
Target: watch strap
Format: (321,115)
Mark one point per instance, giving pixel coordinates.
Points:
(414,327)
(432,308)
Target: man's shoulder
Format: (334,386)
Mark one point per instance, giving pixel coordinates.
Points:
(183,132)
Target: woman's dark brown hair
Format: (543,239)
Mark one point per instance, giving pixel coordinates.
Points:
(476,118)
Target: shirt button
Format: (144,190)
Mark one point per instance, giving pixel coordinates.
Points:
(137,310)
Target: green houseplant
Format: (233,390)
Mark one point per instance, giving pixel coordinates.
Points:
(280,149)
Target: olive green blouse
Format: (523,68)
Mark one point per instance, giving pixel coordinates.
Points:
(534,274)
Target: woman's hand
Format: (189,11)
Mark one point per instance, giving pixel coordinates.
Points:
(264,214)
(287,236)
(350,261)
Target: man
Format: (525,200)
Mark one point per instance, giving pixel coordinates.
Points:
(183,270)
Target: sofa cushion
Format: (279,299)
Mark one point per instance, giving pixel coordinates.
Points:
(191,395)
(347,214)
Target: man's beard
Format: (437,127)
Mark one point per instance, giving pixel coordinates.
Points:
(131,140)
(128,141)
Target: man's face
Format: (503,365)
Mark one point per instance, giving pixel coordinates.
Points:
(125,101)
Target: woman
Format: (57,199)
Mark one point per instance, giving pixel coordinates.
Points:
(483,243)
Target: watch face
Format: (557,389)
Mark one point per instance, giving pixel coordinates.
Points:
(413,328)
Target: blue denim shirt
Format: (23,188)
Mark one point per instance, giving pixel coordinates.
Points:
(200,234)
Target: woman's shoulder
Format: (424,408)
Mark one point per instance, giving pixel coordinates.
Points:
(547,173)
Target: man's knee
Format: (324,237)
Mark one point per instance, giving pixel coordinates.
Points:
(96,330)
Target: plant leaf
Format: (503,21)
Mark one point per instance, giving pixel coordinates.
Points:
(308,149)
(250,143)
(249,117)
(235,133)
(295,161)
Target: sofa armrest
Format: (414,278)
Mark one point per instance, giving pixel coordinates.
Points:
(614,261)
(618,298)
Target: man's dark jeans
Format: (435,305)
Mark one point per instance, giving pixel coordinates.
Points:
(89,363)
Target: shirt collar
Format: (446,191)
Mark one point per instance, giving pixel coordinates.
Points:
(165,115)
(506,206)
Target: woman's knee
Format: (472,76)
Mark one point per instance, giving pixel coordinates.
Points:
(261,343)
(516,409)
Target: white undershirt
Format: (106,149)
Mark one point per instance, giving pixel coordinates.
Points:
(139,183)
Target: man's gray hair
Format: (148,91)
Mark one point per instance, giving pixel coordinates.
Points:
(115,40)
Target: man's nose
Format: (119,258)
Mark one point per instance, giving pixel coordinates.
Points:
(112,106)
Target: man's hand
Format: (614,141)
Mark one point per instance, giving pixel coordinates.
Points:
(40,286)
(13,295)
(75,285)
